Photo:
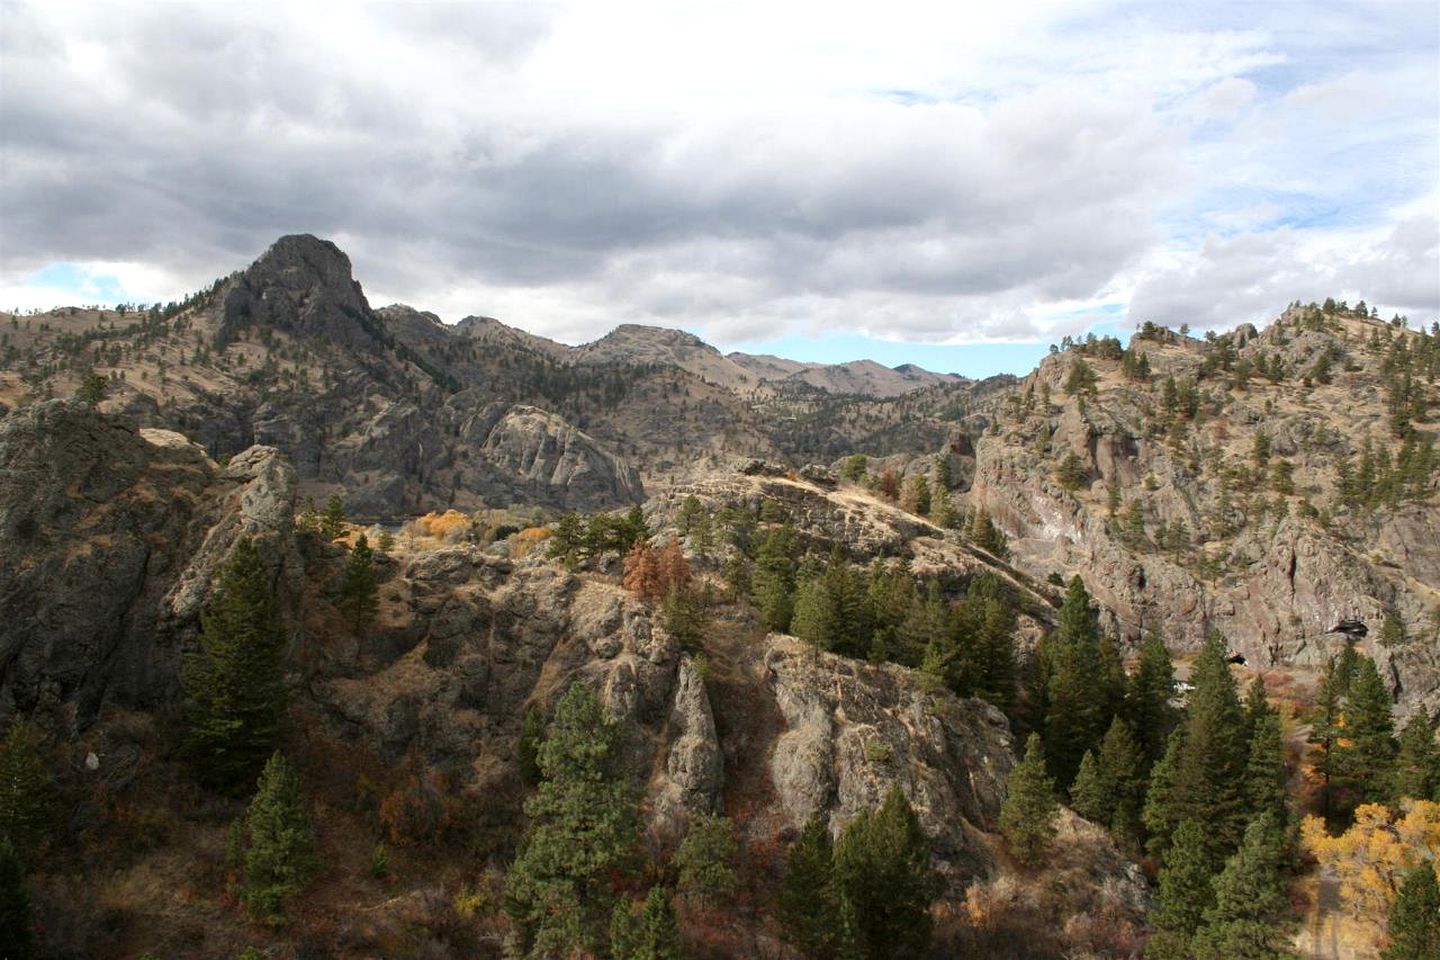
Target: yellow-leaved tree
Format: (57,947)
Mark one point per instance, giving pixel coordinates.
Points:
(1373,856)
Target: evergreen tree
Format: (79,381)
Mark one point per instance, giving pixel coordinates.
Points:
(234,687)
(1415,917)
(1265,773)
(1209,781)
(1158,817)
(1027,817)
(568,539)
(808,908)
(1185,894)
(1121,769)
(703,860)
(1251,913)
(359,597)
(773,580)
(17,923)
(1148,699)
(1367,753)
(1079,690)
(885,882)
(994,648)
(24,790)
(92,389)
(332,521)
(582,830)
(927,630)
(653,935)
(1417,765)
(1325,719)
(1090,796)
(280,857)
(812,620)
(532,735)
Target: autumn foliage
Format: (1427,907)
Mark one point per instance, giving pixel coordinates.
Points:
(1373,856)
(652,574)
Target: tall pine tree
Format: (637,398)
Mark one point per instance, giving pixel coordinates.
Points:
(1251,915)
(1079,705)
(1417,764)
(1148,697)
(582,830)
(1367,751)
(885,882)
(1027,817)
(809,908)
(280,853)
(234,687)
(1186,892)
(359,600)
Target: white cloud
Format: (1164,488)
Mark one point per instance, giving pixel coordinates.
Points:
(925,172)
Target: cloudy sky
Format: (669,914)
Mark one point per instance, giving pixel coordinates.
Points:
(955,184)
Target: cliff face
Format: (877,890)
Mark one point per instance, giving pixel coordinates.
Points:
(109,534)
(1198,533)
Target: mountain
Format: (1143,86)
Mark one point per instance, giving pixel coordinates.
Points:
(396,408)
(792,594)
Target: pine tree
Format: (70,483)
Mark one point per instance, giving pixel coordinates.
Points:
(1325,720)
(1366,757)
(1414,926)
(1251,913)
(234,687)
(582,829)
(1159,814)
(703,859)
(808,908)
(1265,773)
(332,521)
(653,935)
(926,627)
(885,881)
(1185,894)
(1090,795)
(1121,770)
(1147,699)
(774,578)
(1027,817)
(813,620)
(1417,765)
(24,790)
(1079,690)
(359,597)
(1209,782)
(280,857)
(17,922)
(532,735)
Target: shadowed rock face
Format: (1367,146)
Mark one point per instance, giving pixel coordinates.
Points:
(109,536)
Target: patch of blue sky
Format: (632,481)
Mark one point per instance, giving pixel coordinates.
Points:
(977,360)
(82,284)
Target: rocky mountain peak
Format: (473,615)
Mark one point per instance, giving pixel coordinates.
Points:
(302,285)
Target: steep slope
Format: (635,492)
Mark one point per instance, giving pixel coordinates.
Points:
(1205,494)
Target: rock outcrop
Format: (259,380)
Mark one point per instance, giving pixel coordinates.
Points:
(109,537)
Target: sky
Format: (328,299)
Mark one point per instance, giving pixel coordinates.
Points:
(951,184)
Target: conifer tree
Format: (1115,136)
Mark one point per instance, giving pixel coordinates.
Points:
(1078,688)
(17,922)
(1027,817)
(885,882)
(703,859)
(995,651)
(653,935)
(1121,770)
(1208,784)
(1090,796)
(1366,757)
(359,599)
(234,687)
(1417,765)
(1265,773)
(582,829)
(1414,926)
(332,521)
(809,908)
(1185,894)
(1147,699)
(773,580)
(1325,719)
(1250,917)
(24,789)
(926,627)
(1158,816)
(280,856)
(813,620)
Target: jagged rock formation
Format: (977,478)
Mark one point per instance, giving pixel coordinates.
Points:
(109,536)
